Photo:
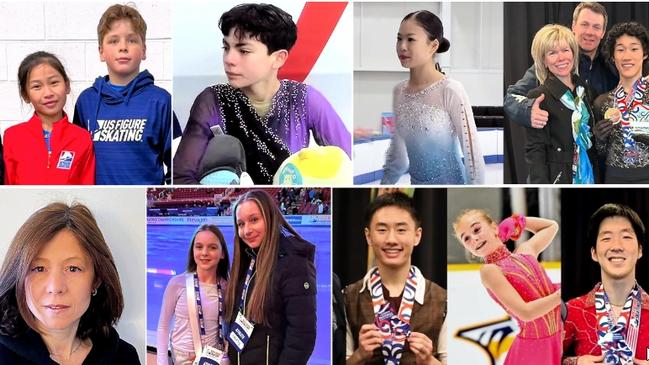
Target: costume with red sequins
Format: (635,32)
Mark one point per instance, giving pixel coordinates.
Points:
(539,340)
(580,336)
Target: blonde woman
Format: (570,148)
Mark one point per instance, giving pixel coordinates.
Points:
(562,152)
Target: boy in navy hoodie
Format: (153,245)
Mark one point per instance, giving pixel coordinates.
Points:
(128,116)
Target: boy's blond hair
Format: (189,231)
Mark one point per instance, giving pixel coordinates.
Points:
(545,39)
(119,12)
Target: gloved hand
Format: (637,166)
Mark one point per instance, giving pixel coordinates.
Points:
(603,129)
(511,228)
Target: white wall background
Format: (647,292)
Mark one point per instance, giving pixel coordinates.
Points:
(69,30)
(198,55)
(475,57)
(121,216)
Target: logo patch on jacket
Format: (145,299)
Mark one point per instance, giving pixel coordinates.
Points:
(119,130)
(65,160)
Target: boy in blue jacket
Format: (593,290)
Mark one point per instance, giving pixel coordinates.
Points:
(128,117)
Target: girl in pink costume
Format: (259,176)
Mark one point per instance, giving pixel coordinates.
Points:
(517,281)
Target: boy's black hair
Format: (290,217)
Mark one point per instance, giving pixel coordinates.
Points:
(393,199)
(615,210)
(632,29)
(269,24)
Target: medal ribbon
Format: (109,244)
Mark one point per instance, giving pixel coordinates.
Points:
(629,105)
(395,328)
(618,340)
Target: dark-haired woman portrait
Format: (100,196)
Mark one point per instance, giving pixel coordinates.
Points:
(271,302)
(434,119)
(623,113)
(60,293)
(202,285)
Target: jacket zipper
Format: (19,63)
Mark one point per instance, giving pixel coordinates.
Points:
(556,179)
(49,154)
(267,347)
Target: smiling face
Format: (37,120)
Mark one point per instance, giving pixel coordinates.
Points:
(413,46)
(559,60)
(477,235)
(616,250)
(123,50)
(59,283)
(628,56)
(251,225)
(393,234)
(47,91)
(589,30)
(207,251)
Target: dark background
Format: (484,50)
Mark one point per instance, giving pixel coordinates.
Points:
(350,247)
(579,273)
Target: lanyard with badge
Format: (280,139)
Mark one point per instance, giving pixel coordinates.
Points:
(205,354)
(241,329)
(395,328)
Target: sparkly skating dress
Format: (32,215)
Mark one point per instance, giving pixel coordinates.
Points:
(432,126)
(297,113)
(539,340)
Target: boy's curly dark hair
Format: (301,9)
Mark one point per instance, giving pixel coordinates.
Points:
(269,24)
(632,29)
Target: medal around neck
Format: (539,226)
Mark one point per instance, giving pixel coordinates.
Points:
(613,114)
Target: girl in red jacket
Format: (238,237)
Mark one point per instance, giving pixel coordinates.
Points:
(47,149)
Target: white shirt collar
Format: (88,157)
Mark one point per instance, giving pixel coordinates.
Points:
(419,291)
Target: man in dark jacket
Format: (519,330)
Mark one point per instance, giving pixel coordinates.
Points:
(589,26)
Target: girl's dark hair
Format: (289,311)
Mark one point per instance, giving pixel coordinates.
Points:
(269,24)
(632,29)
(615,210)
(105,306)
(223,268)
(433,27)
(394,199)
(33,60)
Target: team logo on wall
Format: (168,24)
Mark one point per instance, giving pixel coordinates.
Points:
(494,338)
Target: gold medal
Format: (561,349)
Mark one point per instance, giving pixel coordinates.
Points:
(613,114)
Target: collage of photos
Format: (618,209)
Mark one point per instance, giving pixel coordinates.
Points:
(306,182)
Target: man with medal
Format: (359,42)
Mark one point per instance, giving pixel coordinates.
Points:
(622,130)
(610,324)
(394,315)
